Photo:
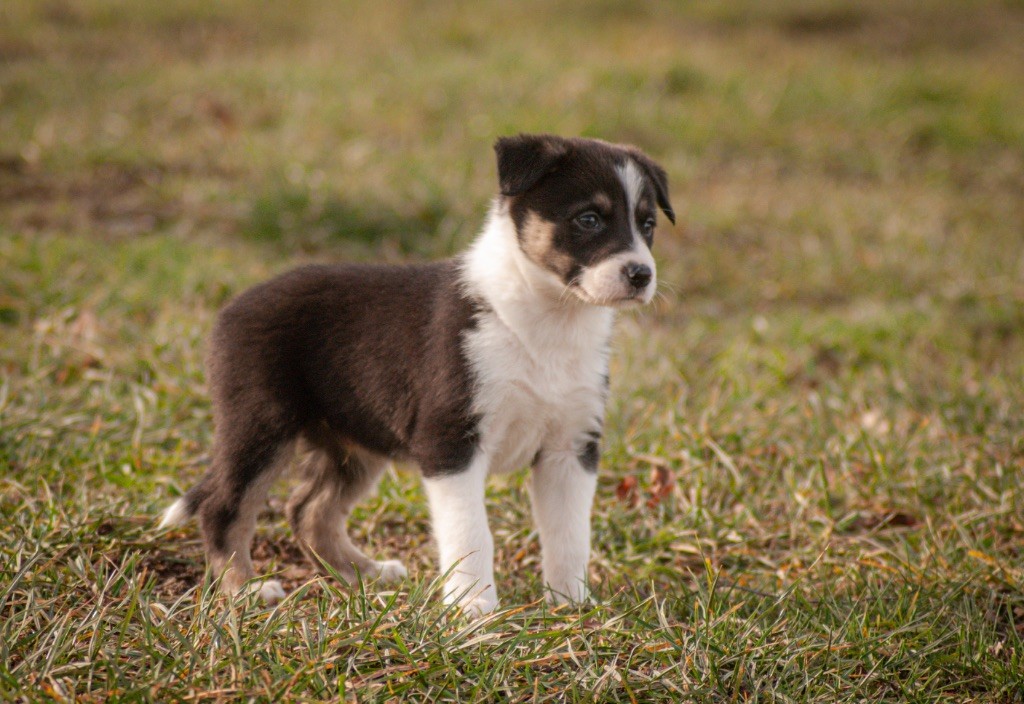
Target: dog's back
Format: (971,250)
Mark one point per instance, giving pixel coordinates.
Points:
(371,351)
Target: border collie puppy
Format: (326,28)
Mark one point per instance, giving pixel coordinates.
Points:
(488,362)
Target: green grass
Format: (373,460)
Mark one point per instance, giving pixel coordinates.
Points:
(833,378)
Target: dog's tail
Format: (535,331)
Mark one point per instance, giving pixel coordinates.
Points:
(184,508)
(175,514)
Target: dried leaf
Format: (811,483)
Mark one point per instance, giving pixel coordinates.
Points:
(626,491)
(662,484)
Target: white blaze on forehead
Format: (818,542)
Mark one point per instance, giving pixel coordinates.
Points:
(604,282)
(633,183)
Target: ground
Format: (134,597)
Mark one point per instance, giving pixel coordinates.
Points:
(811,488)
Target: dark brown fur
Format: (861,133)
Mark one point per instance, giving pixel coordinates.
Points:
(337,356)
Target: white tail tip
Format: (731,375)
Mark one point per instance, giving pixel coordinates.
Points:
(176,514)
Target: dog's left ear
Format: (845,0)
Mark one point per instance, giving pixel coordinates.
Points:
(660,180)
(526,158)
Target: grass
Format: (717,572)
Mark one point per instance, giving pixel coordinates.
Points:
(812,487)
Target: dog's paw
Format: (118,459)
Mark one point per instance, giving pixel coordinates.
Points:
(391,572)
(270,591)
(477,607)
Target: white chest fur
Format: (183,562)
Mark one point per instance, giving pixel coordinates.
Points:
(540,360)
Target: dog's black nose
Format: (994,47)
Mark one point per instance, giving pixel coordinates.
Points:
(638,275)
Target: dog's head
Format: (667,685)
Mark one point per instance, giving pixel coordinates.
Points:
(585,212)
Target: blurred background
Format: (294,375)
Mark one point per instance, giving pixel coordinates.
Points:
(819,150)
(825,398)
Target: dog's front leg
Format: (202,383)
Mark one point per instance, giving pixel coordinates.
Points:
(562,490)
(463,537)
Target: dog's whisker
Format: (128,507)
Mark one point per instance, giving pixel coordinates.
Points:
(567,289)
(667,285)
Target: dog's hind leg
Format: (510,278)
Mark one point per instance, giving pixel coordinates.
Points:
(334,478)
(244,467)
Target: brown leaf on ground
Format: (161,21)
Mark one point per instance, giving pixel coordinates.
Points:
(626,491)
(662,484)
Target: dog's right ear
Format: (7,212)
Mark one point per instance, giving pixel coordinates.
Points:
(525,159)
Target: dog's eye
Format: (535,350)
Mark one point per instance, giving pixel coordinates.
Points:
(647,228)
(589,221)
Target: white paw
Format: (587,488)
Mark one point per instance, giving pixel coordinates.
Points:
(270,591)
(391,571)
(478,606)
(475,608)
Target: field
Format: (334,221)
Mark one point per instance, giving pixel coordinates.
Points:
(811,487)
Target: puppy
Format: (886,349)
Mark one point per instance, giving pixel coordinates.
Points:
(485,363)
